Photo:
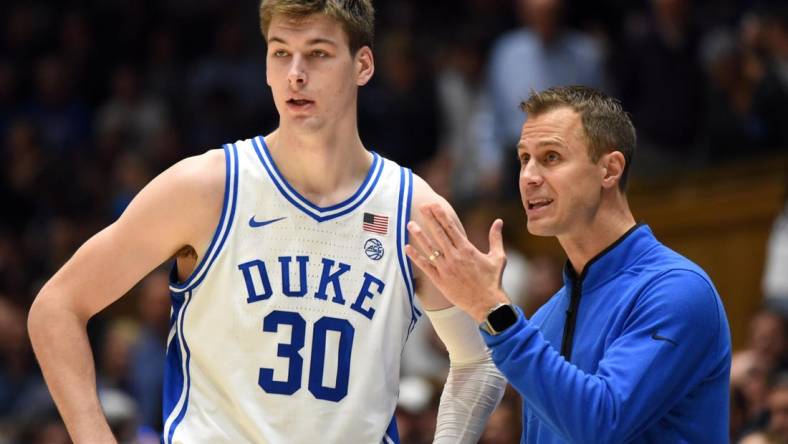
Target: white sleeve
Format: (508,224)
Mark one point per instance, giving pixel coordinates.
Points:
(474,386)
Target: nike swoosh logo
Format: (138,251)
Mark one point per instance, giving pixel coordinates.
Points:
(662,338)
(257,224)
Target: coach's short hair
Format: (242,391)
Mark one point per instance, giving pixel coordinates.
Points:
(357,17)
(607,126)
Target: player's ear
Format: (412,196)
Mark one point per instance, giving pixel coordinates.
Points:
(365,65)
(612,167)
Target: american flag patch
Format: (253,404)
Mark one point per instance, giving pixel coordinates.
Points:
(376,223)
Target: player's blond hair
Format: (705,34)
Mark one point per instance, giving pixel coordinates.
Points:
(357,17)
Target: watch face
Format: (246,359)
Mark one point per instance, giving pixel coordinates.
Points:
(502,317)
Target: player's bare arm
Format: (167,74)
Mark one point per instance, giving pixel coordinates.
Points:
(430,297)
(175,213)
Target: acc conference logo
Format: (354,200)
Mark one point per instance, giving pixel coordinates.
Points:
(374,249)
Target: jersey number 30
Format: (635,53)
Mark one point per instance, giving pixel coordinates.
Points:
(292,351)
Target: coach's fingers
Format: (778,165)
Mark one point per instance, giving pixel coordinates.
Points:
(435,228)
(448,225)
(419,238)
(425,265)
(496,238)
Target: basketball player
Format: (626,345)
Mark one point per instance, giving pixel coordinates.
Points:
(292,295)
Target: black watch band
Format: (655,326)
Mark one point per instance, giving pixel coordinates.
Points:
(499,318)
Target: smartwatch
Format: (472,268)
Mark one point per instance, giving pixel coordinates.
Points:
(499,318)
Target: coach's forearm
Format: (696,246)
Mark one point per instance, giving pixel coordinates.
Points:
(60,342)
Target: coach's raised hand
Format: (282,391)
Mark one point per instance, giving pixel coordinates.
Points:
(468,278)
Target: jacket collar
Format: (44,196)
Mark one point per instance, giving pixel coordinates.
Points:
(612,259)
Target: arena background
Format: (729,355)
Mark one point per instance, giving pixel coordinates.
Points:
(97,97)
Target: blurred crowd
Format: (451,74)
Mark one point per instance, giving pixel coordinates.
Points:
(97,97)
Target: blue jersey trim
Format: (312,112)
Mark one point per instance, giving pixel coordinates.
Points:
(403,215)
(408,205)
(319,214)
(391,432)
(173,374)
(222,229)
(183,377)
(275,171)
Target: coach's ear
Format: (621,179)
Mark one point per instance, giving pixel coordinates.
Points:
(612,165)
(365,65)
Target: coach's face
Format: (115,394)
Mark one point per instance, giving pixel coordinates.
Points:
(312,74)
(560,186)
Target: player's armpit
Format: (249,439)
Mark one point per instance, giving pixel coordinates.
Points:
(180,207)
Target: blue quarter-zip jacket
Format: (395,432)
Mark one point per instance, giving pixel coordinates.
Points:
(648,358)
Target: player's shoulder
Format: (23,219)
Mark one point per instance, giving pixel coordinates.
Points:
(200,174)
(207,167)
(424,194)
(180,206)
(194,186)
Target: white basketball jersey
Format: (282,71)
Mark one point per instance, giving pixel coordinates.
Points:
(291,328)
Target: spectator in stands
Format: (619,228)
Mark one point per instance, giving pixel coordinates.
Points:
(22,167)
(544,279)
(17,370)
(659,79)
(165,71)
(227,87)
(768,339)
(749,385)
(458,81)
(745,105)
(758,437)
(57,61)
(399,108)
(752,367)
(130,113)
(131,174)
(776,30)
(9,92)
(62,119)
(778,407)
(44,428)
(418,399)
(78,47)
(775,278)
(540,54)
(114,358)
(147,350)
(504,425)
